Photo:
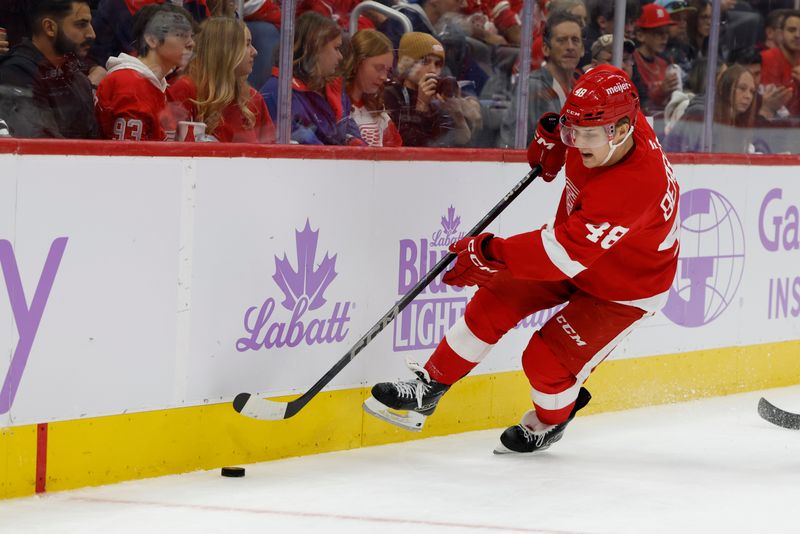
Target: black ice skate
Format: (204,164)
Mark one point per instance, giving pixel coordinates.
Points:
(406,403)
(532,435)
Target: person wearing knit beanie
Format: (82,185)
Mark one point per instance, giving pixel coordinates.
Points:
(417,45)
(425,113)
(420,59)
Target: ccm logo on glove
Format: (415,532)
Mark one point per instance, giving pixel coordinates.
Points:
(473,266)
(547,149)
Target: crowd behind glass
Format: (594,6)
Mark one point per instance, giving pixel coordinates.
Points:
(443,74)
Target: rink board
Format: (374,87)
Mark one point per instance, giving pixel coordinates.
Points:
(141,294)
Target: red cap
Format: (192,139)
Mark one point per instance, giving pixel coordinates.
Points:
(654,16)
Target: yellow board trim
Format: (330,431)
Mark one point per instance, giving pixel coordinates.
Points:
(17,460)
(104,450)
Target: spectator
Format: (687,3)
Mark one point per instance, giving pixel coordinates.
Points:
(320,105)
(652,33)
(771,103)
(263,19)
(698,27)
(734,117)
(131,104)
(741,27)
(442,20)
(479,24)
(771,100)
(114,25)
(425,113)
(693,90)
(369,66)
(773,27)
(576,7)
(601,21)
(215,90)
(678,50)
(424,16)
(337,10)
(550,85)
(49,66)
(781,65)
(603,51)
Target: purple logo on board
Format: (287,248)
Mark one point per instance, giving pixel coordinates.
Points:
(711,261)
(26,318)
(303,291)
(428,318)
(779,232)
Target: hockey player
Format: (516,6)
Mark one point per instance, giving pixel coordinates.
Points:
(131,103)
(610,257)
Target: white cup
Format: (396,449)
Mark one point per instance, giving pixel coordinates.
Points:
(189,131)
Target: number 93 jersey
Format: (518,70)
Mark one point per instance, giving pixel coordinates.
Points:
(616,229)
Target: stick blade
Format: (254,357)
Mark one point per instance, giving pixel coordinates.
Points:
(776,416)
(262,409)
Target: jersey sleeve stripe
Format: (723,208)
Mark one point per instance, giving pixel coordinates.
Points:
(648,304)
(251,6)
(466,344)
(558,254)
(556,401)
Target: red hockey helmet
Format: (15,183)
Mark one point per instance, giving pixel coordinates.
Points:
(601,97)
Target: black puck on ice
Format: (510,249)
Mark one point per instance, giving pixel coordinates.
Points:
(233,471)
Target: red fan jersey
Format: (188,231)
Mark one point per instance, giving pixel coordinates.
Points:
(777,70)
(130,103)
(232,127)
(616,228)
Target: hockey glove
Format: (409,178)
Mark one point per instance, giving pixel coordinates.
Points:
(547,149)
(472,266)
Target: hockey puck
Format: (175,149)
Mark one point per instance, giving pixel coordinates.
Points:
(233,472)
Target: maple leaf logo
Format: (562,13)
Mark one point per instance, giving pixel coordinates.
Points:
(306,281)
(450,224)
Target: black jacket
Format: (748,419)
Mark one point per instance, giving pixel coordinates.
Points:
(60,103)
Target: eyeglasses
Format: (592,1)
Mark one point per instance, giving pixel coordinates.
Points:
(676,5)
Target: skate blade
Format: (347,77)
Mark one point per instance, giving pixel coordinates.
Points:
(502,449)
(407,420)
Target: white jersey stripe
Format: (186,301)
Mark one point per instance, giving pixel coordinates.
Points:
(557,401)
(464,343)
(251,6)
(649,304)
(558,254)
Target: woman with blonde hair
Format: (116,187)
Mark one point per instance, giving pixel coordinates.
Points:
(320,105)
(215,90)
(368,68)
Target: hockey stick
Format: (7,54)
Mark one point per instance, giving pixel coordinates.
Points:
(776,416)
(258,408)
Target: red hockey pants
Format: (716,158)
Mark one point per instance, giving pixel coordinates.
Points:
(558,358)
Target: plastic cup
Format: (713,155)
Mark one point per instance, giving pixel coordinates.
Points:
(190,132)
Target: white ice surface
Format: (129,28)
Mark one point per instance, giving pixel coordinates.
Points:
(710,466)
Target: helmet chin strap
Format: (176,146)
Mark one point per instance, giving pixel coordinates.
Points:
(614,147)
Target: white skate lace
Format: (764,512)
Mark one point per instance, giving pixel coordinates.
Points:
(536,437)
(410,389)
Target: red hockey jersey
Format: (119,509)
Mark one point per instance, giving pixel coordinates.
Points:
(616,229)
(231,129)
(130,103)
